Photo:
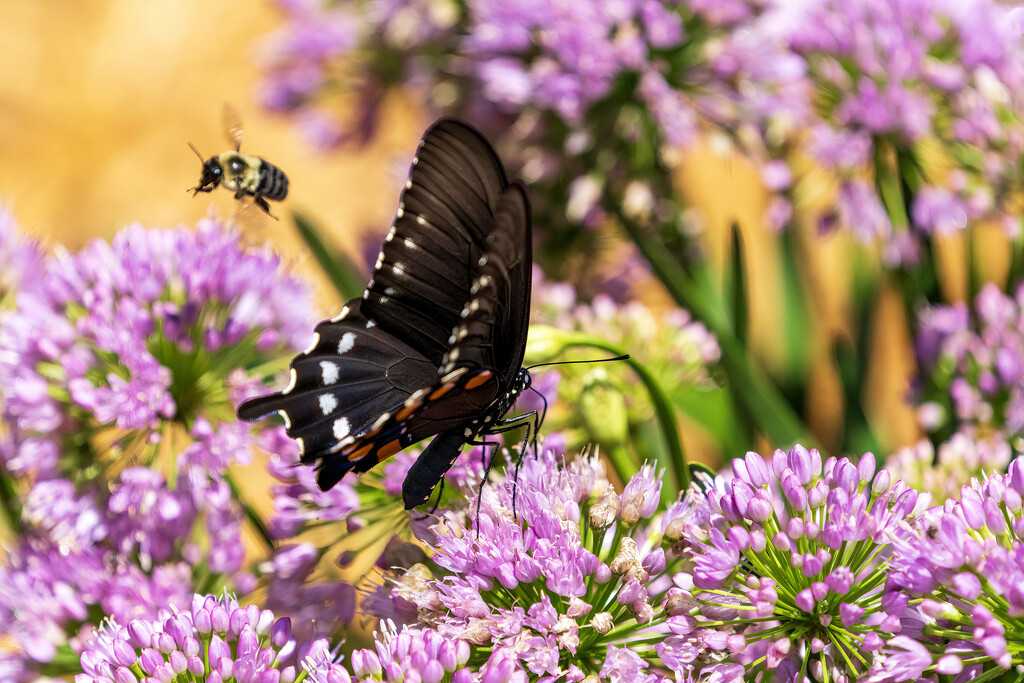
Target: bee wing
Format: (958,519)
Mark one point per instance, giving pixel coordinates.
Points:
(233,125)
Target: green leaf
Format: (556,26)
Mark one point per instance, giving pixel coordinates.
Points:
(344,275)
(716,412)
(736,284)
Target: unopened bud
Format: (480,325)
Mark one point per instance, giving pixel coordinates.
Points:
(602,622)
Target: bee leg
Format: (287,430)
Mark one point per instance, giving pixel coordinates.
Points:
(262,203)
(199,188)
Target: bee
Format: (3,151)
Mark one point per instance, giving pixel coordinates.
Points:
(243,174)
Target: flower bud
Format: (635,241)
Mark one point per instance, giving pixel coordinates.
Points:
(604,512)
(123,674)
(757,470)
(602,622)
(603,409)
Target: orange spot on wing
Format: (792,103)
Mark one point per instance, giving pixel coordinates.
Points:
(441,391)
(407,411)
(388,449)
(362,452)
(482,378)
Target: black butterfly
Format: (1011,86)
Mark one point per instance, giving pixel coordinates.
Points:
(435,345)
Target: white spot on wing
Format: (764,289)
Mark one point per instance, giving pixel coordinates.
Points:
(370,323)
(409,243)
(328,403)
(287,420)
(408,184)
(302,445)
(398,269)
(380,421)
(316,340)
(453,375)
(341,428)
(330,371)
(401,211)
(348,340)
(391,234)
(340,316)
(293,378)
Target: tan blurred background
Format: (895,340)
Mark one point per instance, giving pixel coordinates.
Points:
(99,97)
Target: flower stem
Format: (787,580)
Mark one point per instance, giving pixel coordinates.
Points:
(763,401)
(663,410)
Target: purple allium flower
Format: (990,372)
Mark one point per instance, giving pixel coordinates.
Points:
(963,570)
(566,87)
(215,640)
(409,654)
(120,373)
(147,517)
(127,336)
(44,591)
(574,584)
(943,471)
(972,364)
(899,78)
(21,261)
(316,606)
(794,561)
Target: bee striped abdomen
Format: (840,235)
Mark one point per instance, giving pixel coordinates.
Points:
(273,182)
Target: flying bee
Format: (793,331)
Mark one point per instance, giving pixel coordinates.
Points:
(243,174)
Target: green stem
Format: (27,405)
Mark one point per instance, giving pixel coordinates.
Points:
(10,507)
(663,410)
(766,405)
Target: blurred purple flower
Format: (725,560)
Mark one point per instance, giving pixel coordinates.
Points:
(972,364)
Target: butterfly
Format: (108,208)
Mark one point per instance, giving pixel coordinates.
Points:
(435,345)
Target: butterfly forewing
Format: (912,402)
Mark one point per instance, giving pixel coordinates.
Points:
(445,214)
(492,331)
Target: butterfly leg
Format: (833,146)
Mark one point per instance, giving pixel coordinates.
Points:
(530,421)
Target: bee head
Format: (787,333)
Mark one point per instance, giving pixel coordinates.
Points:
(211,175)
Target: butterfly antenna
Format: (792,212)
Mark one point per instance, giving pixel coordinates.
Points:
(197,152)
(624,356)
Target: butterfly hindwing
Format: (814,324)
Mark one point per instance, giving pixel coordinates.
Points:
(353,374)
